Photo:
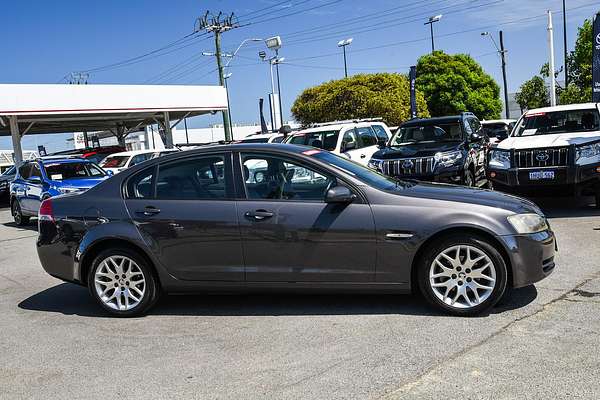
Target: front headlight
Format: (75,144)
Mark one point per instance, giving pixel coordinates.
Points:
(375,164)
(499,159)
(528,223)
(587,154)
(448,159)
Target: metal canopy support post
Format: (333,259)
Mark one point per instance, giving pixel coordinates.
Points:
(16,139)
(168,132)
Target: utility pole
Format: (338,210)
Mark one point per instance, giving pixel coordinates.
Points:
(503,55)
(551,46)
(217,25)
(277,62)
(565,43)
(430,22)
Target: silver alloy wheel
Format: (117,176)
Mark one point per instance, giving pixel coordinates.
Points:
(16,212)
(462,276)
(120,283)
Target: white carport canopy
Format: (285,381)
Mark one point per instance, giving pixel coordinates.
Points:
(31,108)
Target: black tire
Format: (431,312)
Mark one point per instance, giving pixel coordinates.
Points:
(482,245)
(17,213)
(151,290)
(469,178)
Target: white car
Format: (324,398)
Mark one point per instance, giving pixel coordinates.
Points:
(556,148)
(497,129)
(117,162)
(263,138)
(357,140)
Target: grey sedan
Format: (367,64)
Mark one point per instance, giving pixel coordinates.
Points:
(200,220)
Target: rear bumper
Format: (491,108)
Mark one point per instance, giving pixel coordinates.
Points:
(531,256)
(580,179)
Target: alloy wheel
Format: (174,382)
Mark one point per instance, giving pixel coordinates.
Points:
(120,283)
(462,276)
(16,212)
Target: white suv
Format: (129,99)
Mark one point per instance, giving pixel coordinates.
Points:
(357,140)
(556,148)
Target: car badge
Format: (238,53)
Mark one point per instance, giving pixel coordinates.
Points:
(542,156)
(407,164)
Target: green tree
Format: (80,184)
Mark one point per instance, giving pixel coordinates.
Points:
(382,95)
(579,62)
(455,83)
(533,94)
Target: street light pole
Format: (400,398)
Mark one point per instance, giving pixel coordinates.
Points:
(343,44)
(277,62)
(502,53)
(430,22)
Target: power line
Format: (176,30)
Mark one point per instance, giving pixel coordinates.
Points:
(291,4)
(292,13)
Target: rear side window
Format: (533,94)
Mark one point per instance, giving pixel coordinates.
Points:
(115,161)
(201,178)
(326,140)
(35,170)
(25,171)
(139,158)
(141,185)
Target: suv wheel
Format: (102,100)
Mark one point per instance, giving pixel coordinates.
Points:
(122,283)
(462,275)
(17,214)
(469,178)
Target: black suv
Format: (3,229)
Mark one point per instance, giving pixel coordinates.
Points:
(444,149)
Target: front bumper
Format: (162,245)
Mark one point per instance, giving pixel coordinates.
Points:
(584,178)
(531,256)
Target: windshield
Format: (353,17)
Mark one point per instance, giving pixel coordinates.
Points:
(326,140)
(558,122)
(115,161)
(428,132)
(72,170)
(368,176)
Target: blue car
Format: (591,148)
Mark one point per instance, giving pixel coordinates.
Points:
(40,179)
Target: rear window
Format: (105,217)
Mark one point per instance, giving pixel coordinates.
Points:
(115,161)
(558,122)
(72,170)
(326,140)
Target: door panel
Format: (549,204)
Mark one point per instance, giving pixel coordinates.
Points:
(291,235)
(188,218)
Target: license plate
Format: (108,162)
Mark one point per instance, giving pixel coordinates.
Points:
(539,175)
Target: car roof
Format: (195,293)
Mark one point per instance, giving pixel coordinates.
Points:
(136,152)
(333,127)
(441,120)
(46,161)
(246,147)
(566,107)
(497,121)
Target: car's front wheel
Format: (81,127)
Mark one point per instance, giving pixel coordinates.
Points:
(462,274)
(122,282)
(17,214)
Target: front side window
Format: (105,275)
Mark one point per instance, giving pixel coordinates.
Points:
(35,171)
(72,170)
(428,132)
(380,132)
(139,158)
(367,136)
(278,178)
(25,171)
(201,178)
(545,123)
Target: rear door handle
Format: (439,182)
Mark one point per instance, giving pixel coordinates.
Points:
(148,211)
(363,155)
(259,215)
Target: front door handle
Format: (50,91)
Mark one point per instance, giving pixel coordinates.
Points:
(149,210)
(258,215)
(363,155)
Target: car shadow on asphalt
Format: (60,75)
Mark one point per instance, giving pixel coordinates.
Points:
(32,226)
(71,299)
(567,207)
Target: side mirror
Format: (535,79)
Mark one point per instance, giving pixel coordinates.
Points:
(109,172)
(339,194)
(347,146)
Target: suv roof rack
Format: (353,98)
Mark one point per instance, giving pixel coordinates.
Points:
(346,121)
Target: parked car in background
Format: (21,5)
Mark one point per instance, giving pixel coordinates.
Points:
(44,178)
(94,154)
(445,149)
(554,150)
(5,179)
(195,221)
(119,161)
(353,139)
(263,138)
(497,129)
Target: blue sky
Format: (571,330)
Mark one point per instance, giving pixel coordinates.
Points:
(44,41)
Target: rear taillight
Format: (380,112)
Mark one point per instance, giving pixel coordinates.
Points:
(46,213)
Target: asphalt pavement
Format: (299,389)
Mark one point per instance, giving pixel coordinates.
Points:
(543,343)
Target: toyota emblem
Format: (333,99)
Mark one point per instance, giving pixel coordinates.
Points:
(407,164)
(542,156)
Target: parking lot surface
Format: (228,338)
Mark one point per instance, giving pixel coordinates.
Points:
(543,343)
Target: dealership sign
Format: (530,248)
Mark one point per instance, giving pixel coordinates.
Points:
(596,61)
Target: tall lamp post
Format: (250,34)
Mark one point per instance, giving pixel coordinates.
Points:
(343,44)
(228,75)
(502,53)
(431,21)
(274,43)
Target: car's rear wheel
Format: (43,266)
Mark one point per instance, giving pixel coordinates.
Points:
(463,275)
(122,282)
(17,214)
